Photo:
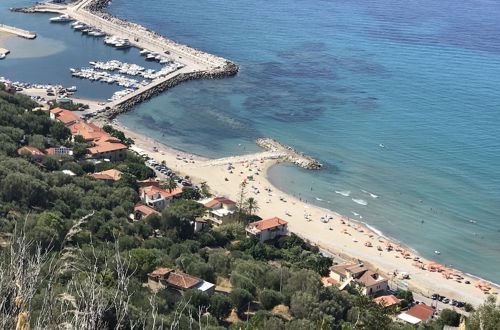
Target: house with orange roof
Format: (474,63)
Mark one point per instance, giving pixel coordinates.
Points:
(103,145)
(65,116)
(177,281)
(35,154)
(111,175)
(417,314)
(218,209)
(148,182)
(142,211)
(62,150)
(267,229)
(387,301)
(158,198)
(372,282)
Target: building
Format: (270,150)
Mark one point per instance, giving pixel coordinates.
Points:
(387,301)
(158,198)
(177,281)
(373,283)
(36,154)
(417,314)
(142,211)
(219,209)
(65,116)
(102,144)
(62,150)
(268,229)
(110,176)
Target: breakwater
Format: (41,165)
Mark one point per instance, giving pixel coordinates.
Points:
(128,102)
(289,154)
(18,32)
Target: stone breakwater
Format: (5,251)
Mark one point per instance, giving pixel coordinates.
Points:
(289,154)
(126,105)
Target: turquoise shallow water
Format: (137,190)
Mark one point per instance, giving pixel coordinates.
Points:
(337,79)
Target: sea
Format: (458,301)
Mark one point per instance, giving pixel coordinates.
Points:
(398,99)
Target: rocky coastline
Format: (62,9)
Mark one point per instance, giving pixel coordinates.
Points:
(289,154)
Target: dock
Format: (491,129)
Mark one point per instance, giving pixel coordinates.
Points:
(197,64)
(18,32)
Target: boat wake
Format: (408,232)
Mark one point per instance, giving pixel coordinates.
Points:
(359,201)
(345,193)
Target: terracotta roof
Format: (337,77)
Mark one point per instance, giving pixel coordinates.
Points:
(330,281)
(89,131)
(267,223)
(33,151)
(370,278)
(150,180)
(421,311)
(115,174)
(106,147)
(224,200)
(152,190)
(356,269)
(212,203)
(182,280)
(387,301)
(100,176)
(160,272)
(146,210)
(65,116)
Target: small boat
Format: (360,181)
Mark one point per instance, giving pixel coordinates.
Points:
(79,27)
(150,57)
(437,252)
(2,56)
(144,52)
(61,19)
(76,23)
(122,45)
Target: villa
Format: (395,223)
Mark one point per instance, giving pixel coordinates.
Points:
(158,198)
(177,281)
(36,154)
(373,283)
(419,313)
(219,209)
(268,229)
(142,211)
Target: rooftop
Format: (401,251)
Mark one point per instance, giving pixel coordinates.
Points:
(183,280)
(160,271)
(144,209)
(421,312)
(32,150)
(65,116)
(266,224)
(386,301)
(370,278)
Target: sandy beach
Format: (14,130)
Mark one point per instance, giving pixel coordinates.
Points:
(338,236)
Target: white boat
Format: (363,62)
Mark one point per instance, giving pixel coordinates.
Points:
(61,19)
(80,27)
(150,57)
(2,56)
(144,52)
(437,252)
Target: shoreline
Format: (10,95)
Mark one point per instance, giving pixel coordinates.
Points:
(349,246)
(213,172)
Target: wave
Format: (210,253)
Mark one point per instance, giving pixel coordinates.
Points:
(369,193)
(344,193)
(355,214)
(319,199)
(360,201)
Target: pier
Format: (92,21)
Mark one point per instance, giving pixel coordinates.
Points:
(18,32)
(197,64)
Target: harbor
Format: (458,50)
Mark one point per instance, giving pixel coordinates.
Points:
(179,62)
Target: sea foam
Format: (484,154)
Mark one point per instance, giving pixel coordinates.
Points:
(360,201)
(344,193)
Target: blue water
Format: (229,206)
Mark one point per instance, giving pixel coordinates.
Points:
(337,79)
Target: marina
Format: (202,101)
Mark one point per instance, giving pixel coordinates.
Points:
(180,62)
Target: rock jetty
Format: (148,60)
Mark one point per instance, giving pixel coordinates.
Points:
(289,154)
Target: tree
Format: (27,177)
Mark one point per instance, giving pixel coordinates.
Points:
(59,131)
(486,316)
(449,317)
(270,298)
(184,209)
(251,205)
(205,190)
(240,299)
(220,306)
(170,184)
(127,180)
(190,193)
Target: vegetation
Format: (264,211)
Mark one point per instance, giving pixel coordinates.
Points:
(70,257)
